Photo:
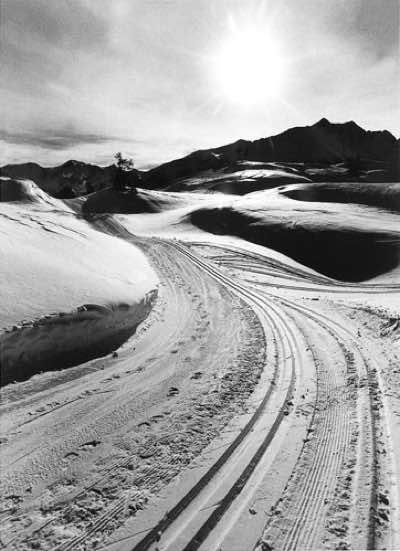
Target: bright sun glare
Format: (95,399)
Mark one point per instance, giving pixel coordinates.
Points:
(248,67)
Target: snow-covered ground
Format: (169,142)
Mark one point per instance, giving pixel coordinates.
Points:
(344,240)
(52,263)
(257,407)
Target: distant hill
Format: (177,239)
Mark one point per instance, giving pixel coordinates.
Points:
(323,143)
(321,152)
(68,180)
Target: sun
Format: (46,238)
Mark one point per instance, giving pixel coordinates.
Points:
(248,67)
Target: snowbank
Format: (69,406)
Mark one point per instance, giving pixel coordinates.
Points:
(66,339)
(52,261)
(241,178)
(344,242)
(12,190)
(130,202)
(380,195)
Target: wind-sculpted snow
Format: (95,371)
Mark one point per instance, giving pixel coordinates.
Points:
(52,261)
(63,340)
(340,252)
(256,406)
(241,178)
(375,195)
(26,191)
(130,202)
(328,228)
(248,412)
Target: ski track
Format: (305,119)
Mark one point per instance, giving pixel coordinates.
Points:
(340,452)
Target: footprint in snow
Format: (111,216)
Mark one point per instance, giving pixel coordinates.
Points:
(156,418)
(71,455)
(89,445)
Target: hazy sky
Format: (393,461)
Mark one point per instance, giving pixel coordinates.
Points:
(85,78)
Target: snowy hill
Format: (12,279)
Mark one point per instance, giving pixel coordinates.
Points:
(72,292)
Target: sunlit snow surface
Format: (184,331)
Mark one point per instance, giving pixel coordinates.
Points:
(69,293)
(51,260)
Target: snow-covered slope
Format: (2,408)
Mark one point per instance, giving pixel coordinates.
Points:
(240,178)
(339,230)
(348,242)
(52,263)
(26,191)
(136,201)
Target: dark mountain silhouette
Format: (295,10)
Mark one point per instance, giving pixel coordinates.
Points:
(68,180)
(370,155)
(322,143)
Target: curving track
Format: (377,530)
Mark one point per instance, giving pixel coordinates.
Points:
(333,453)
(77,442)
(306,462)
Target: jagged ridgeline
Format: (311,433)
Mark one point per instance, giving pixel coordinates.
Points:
(322,152)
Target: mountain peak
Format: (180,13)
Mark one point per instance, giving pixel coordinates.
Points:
(323,122)
(72,163)
(352,124)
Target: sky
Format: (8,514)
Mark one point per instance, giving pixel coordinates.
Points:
(157,79)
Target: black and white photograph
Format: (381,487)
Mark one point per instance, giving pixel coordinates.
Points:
(199,275)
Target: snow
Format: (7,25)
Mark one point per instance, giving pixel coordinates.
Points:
(98,425)
(270,218)
(52,264)
(25,191)
(269,173)
(53,261)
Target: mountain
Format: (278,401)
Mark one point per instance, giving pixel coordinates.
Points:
(67,180)
(322,143)
(324,151)
(70,179)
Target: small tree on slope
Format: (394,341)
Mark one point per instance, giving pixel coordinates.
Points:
(124,165)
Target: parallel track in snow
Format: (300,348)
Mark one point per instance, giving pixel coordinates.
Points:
(236,478)
(325,468)
(199,517)
(327,445)
(333,435)
(302,280)
(153,357)
(367,491)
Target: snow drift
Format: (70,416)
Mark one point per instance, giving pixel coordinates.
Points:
(129,202)
(51,262)
(240,178)
(348,244)
(66,339)
(12,190)
(375,195)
